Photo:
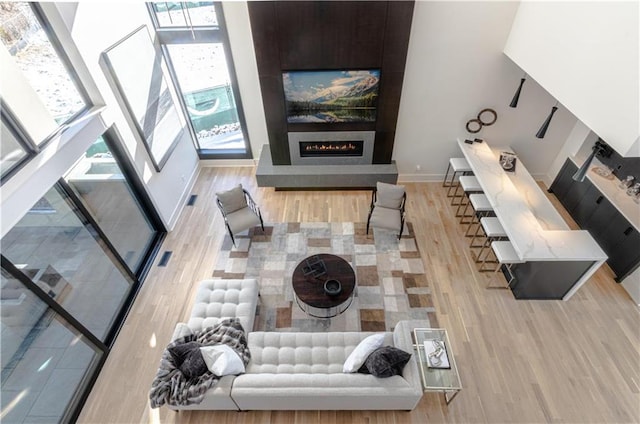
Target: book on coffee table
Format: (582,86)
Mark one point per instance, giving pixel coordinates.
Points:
(436,354)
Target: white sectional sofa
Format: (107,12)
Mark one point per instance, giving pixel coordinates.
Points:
(303,371)
(298,370)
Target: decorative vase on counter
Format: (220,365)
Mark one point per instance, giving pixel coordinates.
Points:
(627,182)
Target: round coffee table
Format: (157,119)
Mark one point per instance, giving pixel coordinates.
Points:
(308,285)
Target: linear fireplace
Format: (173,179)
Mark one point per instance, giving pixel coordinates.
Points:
(331,147)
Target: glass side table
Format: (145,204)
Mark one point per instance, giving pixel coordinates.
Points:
(436,378)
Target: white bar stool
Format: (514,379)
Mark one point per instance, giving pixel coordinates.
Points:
(469,184)
(458,166)
(493,231)
(481,207)
(505,255)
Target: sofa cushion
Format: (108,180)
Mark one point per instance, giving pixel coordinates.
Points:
(355,360)
(232,199)
(216,300)
(305,353)
(385,361)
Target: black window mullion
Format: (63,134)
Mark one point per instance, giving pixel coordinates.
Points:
(55,306)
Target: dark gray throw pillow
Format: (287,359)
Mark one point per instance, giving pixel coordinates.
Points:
(385,361)
(188,359)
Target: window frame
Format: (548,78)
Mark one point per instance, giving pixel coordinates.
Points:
(66,62)
(208,34)
(23,139)
(12,120)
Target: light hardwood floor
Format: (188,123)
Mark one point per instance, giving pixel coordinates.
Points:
(520,361)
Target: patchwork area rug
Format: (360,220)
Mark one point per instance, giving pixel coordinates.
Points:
(390,274)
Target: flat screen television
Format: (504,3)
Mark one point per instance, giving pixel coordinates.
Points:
(331,96)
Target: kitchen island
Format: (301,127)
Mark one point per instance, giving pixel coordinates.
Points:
(557,261)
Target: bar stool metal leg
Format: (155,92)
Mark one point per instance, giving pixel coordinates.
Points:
(444,181)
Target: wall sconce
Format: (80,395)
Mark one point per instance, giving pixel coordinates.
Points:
(599,147)
(543,129)
(516,97)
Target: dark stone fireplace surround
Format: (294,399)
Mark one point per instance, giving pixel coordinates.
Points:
(316,35)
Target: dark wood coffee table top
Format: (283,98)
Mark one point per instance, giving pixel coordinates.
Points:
(310,290)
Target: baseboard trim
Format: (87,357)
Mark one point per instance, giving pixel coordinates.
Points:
(420,178)
(227,163)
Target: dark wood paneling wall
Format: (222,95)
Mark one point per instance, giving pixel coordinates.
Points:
(315,35)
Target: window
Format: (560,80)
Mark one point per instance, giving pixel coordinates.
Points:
(53,245)
(98,181)
(70,270)
(202,70)
(203,76)
(45,360)
(182,14)
(40,94)
(12,152)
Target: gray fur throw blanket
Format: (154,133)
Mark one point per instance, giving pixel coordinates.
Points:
(171,387)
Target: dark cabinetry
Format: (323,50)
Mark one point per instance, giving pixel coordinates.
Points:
(593,212)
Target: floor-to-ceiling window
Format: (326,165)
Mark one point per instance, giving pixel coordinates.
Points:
(71,267)
(57,250)
(196,44)
(98,180)
(74,261)
(46,361)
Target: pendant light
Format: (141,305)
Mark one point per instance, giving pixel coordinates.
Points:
(516,97)
(600,147)
(543,129)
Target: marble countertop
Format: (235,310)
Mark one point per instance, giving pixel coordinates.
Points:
(609,188)
(535,228)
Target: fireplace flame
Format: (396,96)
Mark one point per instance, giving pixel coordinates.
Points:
(321,147)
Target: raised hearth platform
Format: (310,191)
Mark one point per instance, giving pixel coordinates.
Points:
(291,177)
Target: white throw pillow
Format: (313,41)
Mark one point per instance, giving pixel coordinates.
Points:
(222,360)
(362,351)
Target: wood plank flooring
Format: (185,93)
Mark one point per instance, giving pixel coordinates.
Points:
(520,361)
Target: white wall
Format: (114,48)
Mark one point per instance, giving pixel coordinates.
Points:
(236,15)
(95,26)
(455,68)
(587,55)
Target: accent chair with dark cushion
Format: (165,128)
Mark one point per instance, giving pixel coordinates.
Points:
(387,207)
(239,210)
